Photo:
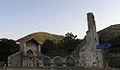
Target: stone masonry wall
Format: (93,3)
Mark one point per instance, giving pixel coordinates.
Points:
(15,60)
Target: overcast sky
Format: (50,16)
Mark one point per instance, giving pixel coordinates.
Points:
(22,17)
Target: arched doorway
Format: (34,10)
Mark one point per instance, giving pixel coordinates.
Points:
(70,61)
(37,63)
(46,62)
(58,61)
(27,62)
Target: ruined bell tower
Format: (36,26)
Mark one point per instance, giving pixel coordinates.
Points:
(91,21)
(93,36)
(91,56)
(94,55)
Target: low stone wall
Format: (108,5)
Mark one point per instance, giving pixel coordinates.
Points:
(15,60)
(46,61)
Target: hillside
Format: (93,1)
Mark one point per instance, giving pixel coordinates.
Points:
(105,35)
(40,37)
(109,33)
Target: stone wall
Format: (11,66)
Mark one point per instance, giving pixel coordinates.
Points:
(15,60)
(46,61)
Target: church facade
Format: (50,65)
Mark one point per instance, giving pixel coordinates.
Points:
(88,56)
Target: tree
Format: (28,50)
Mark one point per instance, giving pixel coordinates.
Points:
(115,39)
(70,42)
(7,47)
(47,47)
(64,47)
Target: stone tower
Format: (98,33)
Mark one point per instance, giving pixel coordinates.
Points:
(91,56)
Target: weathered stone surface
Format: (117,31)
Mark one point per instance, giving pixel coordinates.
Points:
(15,60)
(91,56)
(70,61)
(58,61)
(46,62)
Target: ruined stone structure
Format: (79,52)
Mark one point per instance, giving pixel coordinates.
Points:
(91,56)
(88,56)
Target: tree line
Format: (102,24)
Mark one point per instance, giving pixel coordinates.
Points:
(7,47)
(64,47)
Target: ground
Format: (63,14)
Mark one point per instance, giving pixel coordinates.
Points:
(70,68)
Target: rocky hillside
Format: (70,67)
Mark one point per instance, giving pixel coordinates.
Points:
(109,33)
(41,37)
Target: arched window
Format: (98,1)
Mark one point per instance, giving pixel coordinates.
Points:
(29,53)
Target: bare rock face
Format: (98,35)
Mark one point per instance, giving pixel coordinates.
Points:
(91,56)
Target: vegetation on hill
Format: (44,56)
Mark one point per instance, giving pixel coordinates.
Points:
(62,48)
(40,37)
(111,35)
(70,42)
(53,44)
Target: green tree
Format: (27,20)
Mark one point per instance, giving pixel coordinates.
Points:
(103,40)
(47,47)
(7,47)
(64,47)
(70,42)
(115,39)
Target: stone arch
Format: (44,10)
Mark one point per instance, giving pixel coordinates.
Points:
(58,61)
(70,61)
(29,53)
(36,62)
(27,62)
(46,61)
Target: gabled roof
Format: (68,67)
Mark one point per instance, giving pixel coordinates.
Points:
(33,40)
(28,41)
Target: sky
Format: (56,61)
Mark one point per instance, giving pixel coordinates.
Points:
(19,18)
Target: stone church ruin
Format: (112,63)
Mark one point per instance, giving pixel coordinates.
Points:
(86,54)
